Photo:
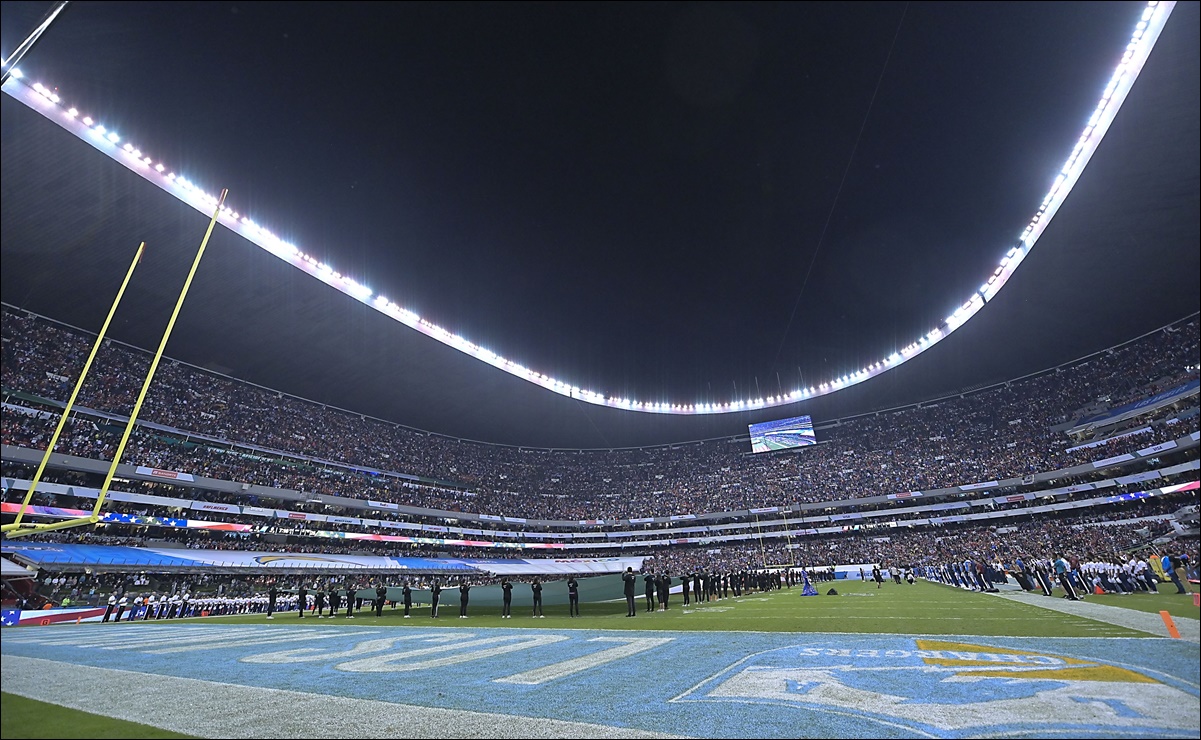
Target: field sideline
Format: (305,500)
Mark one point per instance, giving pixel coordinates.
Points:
(902,661)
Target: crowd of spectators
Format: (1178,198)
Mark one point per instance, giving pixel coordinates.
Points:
(1002,432)
(996,433)
(1112,499)
(1099,531)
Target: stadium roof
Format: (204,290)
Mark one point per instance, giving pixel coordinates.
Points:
(677,202)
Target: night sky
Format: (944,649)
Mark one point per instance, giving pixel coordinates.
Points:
(671,201)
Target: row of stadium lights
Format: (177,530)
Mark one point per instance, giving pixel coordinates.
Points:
(1153,17)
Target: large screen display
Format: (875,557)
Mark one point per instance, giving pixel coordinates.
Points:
(782,434)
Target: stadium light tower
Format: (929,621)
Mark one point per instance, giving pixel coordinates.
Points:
(15,58)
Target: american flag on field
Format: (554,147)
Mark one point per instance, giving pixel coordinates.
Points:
(10,617)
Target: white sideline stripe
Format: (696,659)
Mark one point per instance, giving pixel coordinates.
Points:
(632,646)
(212,709)
(1150,622)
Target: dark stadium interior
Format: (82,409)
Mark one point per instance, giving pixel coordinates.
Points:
(668,202)
(1119,260)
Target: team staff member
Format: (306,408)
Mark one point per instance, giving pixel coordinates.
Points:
(272,596)
(302,600)
(435,593)
(406,593)
(350,596)
(320,604)
(649,580)
(536,587)
(573,597)
(630,580)
(506,607)
(335,601)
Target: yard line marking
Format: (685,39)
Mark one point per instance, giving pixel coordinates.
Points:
(264,640)
(389,663)
(132,641)
(312,655)
(554,671)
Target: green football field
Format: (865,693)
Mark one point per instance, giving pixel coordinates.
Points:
(922,608)
(859,608)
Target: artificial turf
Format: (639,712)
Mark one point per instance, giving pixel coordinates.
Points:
(922,609)
(919,609)
(1167,600)
(28,718)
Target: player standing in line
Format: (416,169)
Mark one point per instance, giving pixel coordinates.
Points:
(435,593)
(630,580)
(506,606)
(573,597)
(649,588)
(406,593)
(536,588)
(350,597)
(272,595)
(381,593)
(320,604)
(464,596)
(302,600)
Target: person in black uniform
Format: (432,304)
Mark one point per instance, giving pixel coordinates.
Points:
(684,581)
(573,597)
(630,580)
(536,587)
(649,583)
(464,591)
(435,593)
(406,593)
(350,597)
(302,600)
(319,602)
(381,594)
(506,606)
(663,583)
(335,601)
(272,595)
